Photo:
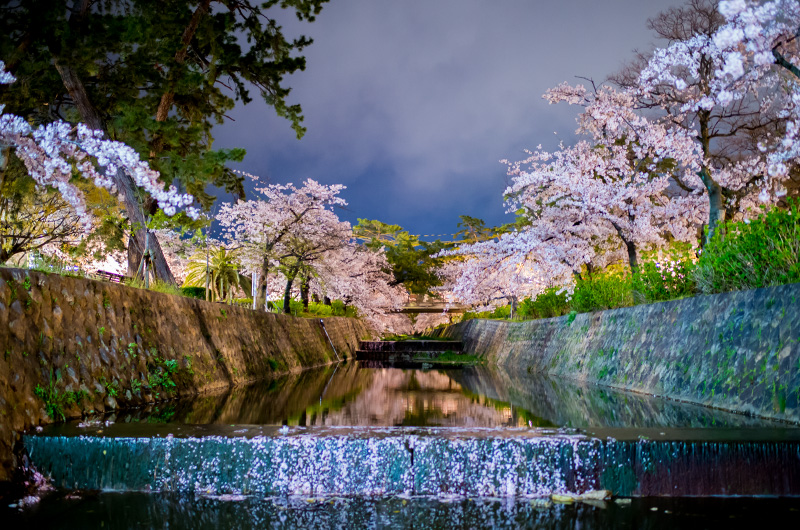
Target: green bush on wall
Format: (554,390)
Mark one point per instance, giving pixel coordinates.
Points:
(666,279)
(552,302)
(752,254)
(194,292)
(604,290)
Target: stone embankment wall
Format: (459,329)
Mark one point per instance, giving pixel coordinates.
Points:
(96,346)
(736,351)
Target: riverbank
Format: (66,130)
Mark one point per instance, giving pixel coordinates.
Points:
(75,346)
(737,351)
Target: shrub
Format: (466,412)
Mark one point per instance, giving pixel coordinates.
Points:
(752,254)
(337,308)
(664,280)
(321,310)
(501,312)
(155,285)
(552,302)
(194,292)
(604,290)
(295,307)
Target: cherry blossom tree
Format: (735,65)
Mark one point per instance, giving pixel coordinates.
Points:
(361,277)
(680,80)
(586,205)
(258,228)
(760,53)
(619,177)
(306,244)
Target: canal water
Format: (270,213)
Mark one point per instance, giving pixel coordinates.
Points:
(371,410)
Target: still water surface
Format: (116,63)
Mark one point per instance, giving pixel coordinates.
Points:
(352,394)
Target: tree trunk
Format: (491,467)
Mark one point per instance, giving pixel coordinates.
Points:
(716,209)
(287,294)
(180,56)
(123,182)
(630,246)
(304,289)
(632,259)
(261,290)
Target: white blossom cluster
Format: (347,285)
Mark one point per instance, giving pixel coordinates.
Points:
(53,152)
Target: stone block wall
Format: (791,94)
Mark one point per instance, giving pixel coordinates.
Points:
(111,345)
(737,351)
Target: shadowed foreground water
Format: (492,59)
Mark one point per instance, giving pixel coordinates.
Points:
(139,511)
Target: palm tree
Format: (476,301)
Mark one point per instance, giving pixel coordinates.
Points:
(223,275)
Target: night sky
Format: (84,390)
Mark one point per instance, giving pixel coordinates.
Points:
(411,104)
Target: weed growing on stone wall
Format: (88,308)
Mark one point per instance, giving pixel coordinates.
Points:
(132,349)
(54,400)
(112,388)
(188,361)
(136,385)
(160,376)
(101,330)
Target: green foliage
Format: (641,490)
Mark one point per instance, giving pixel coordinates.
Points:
(222,272)
(503,312)
(552,302)
(295,307)
(160,376)
(321,310)
(474,230)
(664,280)
(749,255)
(155,285)
(412,262)
(337,308)
(112,388)
(194,292)
(604,290)
(54,400)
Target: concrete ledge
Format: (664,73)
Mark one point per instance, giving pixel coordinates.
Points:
(411,464)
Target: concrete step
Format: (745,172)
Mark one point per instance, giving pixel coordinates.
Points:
(361,355)
(411,346)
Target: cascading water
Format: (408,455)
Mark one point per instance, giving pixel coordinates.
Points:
(322,461)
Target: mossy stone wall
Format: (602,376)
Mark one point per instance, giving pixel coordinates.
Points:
(737,351)
(110,344)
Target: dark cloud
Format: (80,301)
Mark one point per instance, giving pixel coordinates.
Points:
(411,104)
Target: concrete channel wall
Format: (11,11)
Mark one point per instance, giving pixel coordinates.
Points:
(736,351)
(93,346)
